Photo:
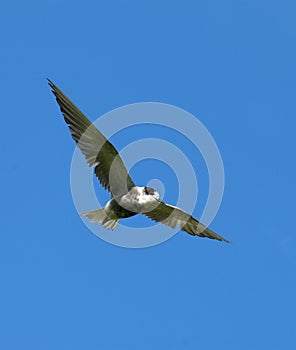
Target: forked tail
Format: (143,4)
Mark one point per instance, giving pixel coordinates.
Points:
(101,217)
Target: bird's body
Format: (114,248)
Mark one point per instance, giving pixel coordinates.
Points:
(138,200)
(127,199)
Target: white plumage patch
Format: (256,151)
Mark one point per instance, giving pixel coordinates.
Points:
(138,201)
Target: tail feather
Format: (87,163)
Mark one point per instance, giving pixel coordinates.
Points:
(102,218)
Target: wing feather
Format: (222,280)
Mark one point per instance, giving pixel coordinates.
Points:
(98,151)
(173,216)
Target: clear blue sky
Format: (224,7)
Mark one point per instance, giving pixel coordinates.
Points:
(232,64)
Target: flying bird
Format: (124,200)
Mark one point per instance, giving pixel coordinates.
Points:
(127,199)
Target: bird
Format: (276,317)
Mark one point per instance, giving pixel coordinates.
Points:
(127,199)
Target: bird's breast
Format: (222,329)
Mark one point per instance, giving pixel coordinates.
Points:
(136,200)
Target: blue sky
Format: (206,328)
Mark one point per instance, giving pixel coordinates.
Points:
(231,64)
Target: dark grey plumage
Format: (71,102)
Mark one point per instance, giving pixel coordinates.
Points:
(127,199)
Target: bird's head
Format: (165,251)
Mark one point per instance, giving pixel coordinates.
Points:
(151,192)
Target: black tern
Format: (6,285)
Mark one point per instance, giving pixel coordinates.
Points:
(127,199)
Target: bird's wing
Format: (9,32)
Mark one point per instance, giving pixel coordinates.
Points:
(96,148)
(173,216)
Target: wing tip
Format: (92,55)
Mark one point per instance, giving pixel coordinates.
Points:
(219,238)
(214,237)
(50,83)
(53,87)
(224,240)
